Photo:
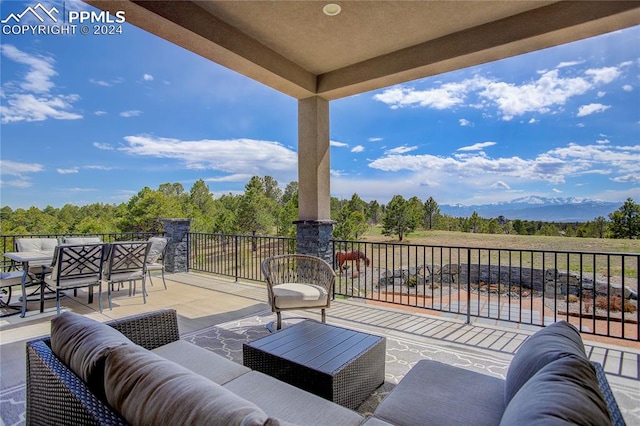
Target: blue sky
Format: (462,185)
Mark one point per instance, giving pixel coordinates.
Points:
(95,118)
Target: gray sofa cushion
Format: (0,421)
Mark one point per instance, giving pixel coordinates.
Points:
(553,342)
(433,393)
(201,361)
(563,392)
(290,404)
(147,389)
(83,344)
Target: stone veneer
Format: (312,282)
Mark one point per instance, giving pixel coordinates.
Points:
(177,254)
(314,238)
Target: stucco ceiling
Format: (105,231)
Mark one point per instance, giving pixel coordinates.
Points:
(294,47)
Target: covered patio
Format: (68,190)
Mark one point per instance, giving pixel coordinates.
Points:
(220,314)
(319,51)
(295,48)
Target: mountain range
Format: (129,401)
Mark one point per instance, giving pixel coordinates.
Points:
(538,208)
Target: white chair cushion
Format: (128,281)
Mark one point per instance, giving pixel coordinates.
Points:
(81,240)
(154,267)
(126,276)
(73,282)
(295,295)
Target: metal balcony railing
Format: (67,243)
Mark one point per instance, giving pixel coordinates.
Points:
(596,291)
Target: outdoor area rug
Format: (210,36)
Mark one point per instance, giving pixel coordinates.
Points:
(227,339)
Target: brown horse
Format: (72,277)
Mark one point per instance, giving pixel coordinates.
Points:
(354,255)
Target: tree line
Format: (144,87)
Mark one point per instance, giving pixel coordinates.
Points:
(265,209)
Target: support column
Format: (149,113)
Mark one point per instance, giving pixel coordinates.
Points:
(314,225)
(177,255)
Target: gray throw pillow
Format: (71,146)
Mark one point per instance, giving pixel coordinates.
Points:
(83,344)
(563,392)
(147,389)
(555,341)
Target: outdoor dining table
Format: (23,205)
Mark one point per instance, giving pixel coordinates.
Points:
(24,257)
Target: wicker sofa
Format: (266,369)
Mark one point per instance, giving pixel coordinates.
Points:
(167,381)
(163,381)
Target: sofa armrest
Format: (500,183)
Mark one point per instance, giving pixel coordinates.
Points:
(150,330)
(612,405)
(56,396)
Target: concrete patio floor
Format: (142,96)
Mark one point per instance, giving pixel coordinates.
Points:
(204,300)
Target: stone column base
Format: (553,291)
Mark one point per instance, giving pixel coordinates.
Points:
(176,257)
(314,238)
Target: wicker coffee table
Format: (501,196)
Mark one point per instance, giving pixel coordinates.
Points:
(341,365)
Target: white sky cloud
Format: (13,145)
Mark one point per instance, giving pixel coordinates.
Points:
(633,177)
(627,88)
(338,144)
(401,149)
(19,172)
(100,83)
(603,75)
(464,122)
(68,171)
(236,177)
(234,156)
(16,183)
(554,166)
(543,96)
(500,185)
(592,109)
(147,77)
(18,169)
(374,139)
(129,114)
(30,99)
(476,147)
(357,148)
(93,167)
(41,71)
(103,146)
(569,64)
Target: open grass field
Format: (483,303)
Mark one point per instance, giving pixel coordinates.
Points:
(513,242)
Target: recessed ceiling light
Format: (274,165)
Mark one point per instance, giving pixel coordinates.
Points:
(331,9)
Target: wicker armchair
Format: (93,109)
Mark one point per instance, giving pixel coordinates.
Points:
(298,281)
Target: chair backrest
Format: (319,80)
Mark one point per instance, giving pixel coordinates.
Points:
(298,268)
(127,257)
(35,244)
(74,262)
(158,247)
(81,240)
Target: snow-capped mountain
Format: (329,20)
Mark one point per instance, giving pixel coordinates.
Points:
(538,208)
